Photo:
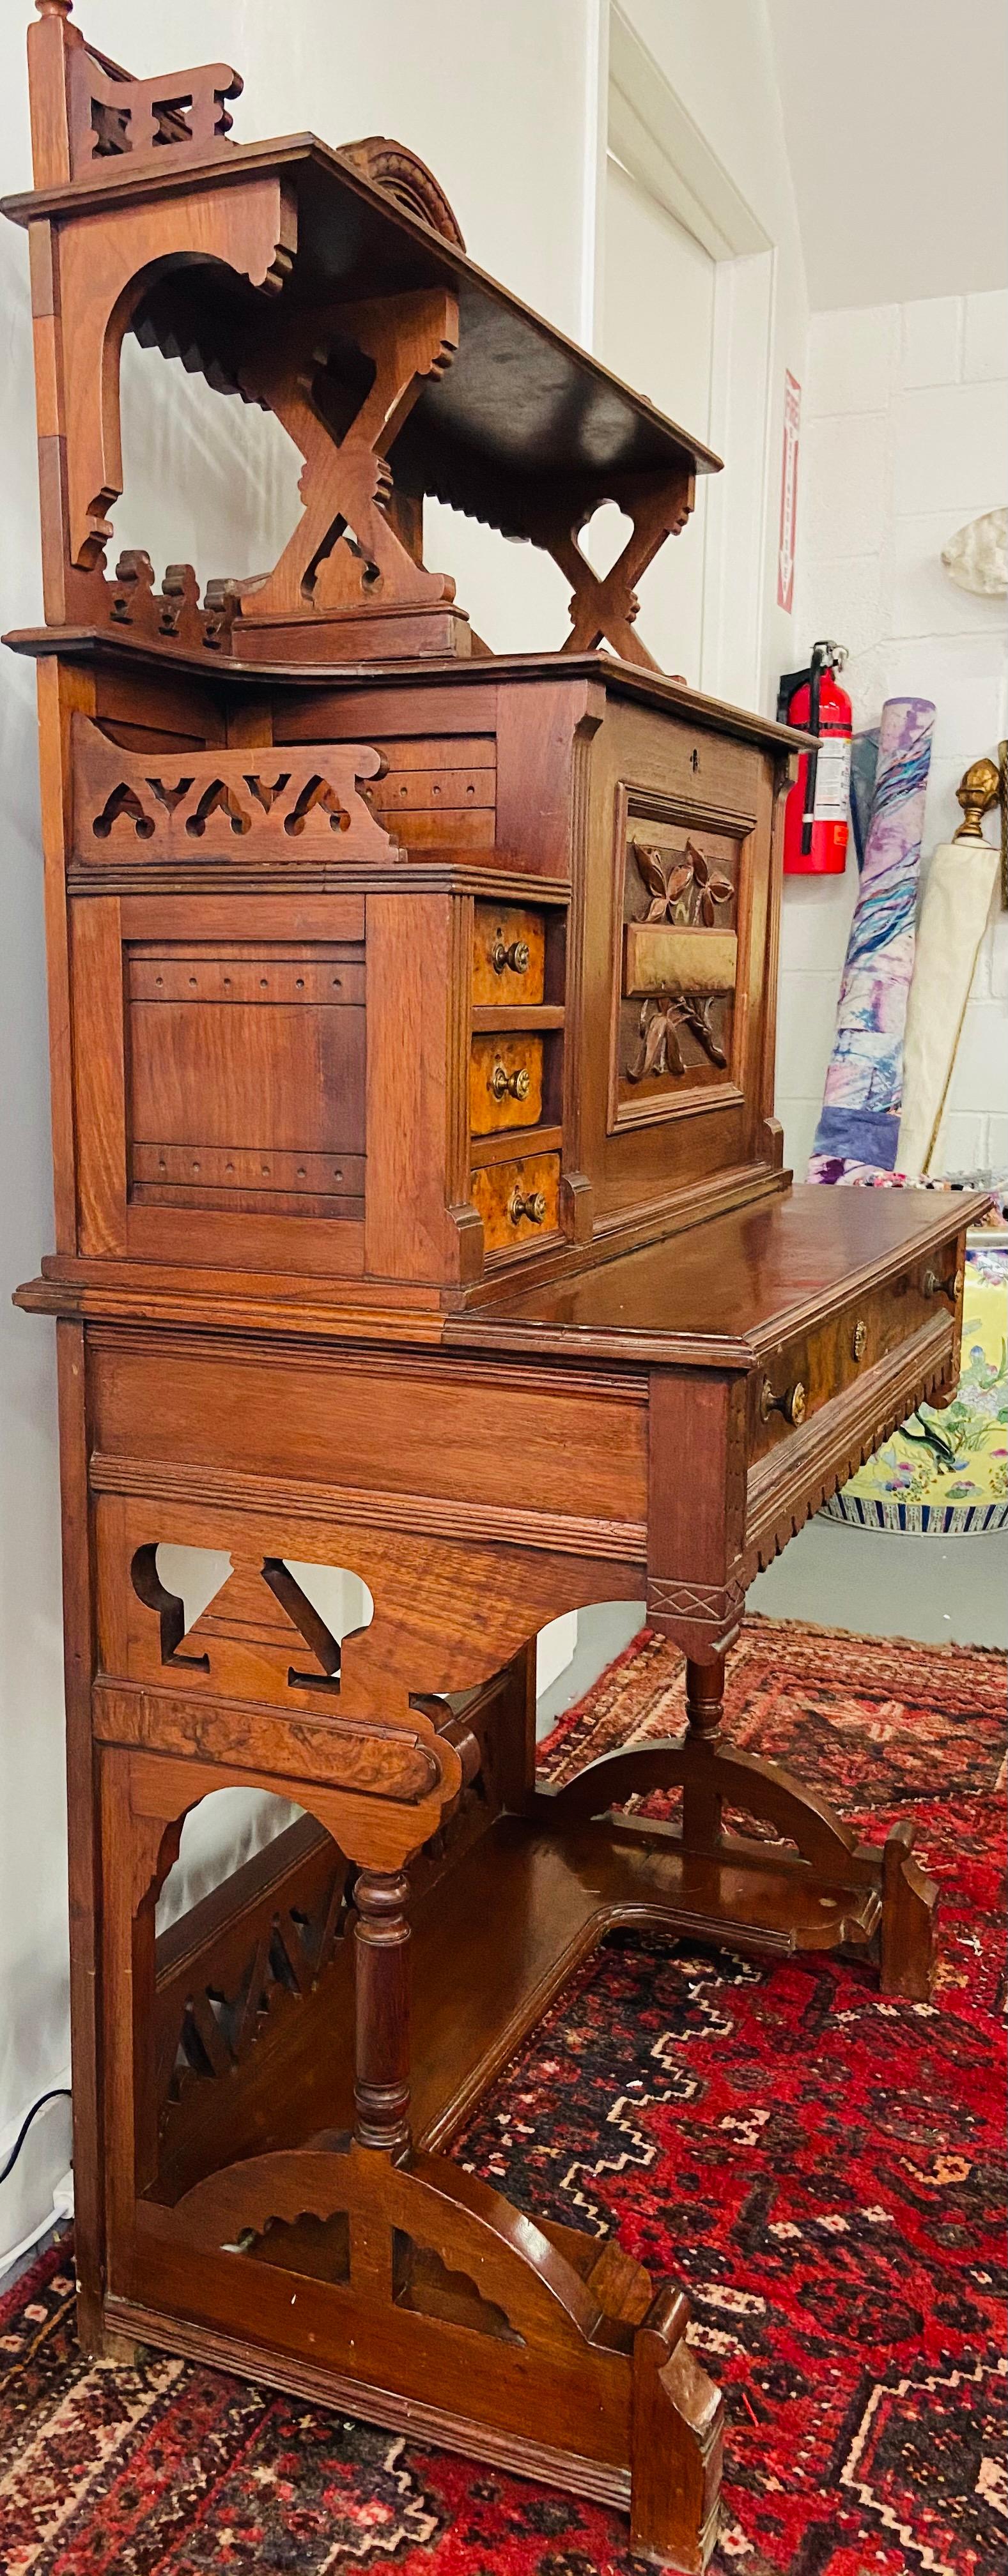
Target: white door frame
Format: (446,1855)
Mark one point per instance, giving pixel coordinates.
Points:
(651,132)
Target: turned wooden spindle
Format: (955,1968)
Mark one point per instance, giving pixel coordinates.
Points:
(704,1720)
(705,1698)
(381,1970)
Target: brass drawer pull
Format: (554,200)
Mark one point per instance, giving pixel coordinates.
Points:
(516,956)
(952,1288)
(533,1207)
(859,1339)
(792,1404)
(508,1086)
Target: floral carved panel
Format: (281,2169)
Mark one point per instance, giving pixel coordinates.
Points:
(677,1024)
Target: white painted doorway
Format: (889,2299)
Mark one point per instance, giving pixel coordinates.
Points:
(657,332)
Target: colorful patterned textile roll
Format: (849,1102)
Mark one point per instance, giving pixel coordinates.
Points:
(858,1130)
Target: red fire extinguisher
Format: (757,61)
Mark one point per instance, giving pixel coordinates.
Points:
(815,816)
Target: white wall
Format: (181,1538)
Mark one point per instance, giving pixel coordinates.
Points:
(905,439)
(717,56)
(895,122)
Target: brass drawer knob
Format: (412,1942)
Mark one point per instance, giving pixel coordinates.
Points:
(933,1286)
(792,1404)
(516,956)
(533,1207)
(859,1339)
(508,1086)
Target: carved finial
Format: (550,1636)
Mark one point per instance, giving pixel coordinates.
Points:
(54,8)
(976,793)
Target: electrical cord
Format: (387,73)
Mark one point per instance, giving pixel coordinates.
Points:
(58,2093)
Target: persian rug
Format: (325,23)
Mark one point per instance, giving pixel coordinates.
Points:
(822,2167)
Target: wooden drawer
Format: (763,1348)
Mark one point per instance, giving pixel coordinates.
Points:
(505,1082)
(518,1202)
(509,954)
(801,1374)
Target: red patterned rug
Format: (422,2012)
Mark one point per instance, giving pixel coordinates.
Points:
(823,2168)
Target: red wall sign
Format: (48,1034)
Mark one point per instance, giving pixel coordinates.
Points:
(789,492)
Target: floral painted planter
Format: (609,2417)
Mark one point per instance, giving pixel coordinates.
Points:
(947,1473)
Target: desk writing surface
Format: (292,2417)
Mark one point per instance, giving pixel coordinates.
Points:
(736,1280)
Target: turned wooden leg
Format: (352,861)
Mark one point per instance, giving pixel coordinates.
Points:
(704,1719)
(381,1972)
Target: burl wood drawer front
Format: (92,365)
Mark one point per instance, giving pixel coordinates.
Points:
(518,1202)
(509,954)
(505,1083)
(803,1374)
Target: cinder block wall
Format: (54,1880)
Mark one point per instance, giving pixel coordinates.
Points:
(904,439)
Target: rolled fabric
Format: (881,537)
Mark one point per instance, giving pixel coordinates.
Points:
(857,1134)
(953,918)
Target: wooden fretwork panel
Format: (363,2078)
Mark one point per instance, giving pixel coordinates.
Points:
(230,1970)
(265,803)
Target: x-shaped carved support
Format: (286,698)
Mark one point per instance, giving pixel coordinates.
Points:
(604,605)
(344,551)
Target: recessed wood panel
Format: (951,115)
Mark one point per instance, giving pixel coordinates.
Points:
(287,1077)
(246,1078)
(675,1031)
(256,1413)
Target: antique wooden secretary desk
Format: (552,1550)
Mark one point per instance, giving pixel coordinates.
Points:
(419,1211)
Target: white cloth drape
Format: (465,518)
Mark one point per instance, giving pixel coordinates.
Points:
(952,922)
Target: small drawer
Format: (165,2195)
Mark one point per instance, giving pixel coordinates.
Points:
(518,1202)
(505,1083)
(509,954)
(801,1375)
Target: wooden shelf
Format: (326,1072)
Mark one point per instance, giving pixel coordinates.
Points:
(490,1019)
(494,1939)
(511,1143)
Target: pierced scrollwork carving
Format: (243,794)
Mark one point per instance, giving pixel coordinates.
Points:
(112,114)
(212,2016)
(258,1639)
(174,614)
(206,801)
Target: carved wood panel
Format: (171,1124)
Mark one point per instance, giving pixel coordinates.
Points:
(678,1028)
(112,114)
(231,1970)
(264,804)
(448,1613)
